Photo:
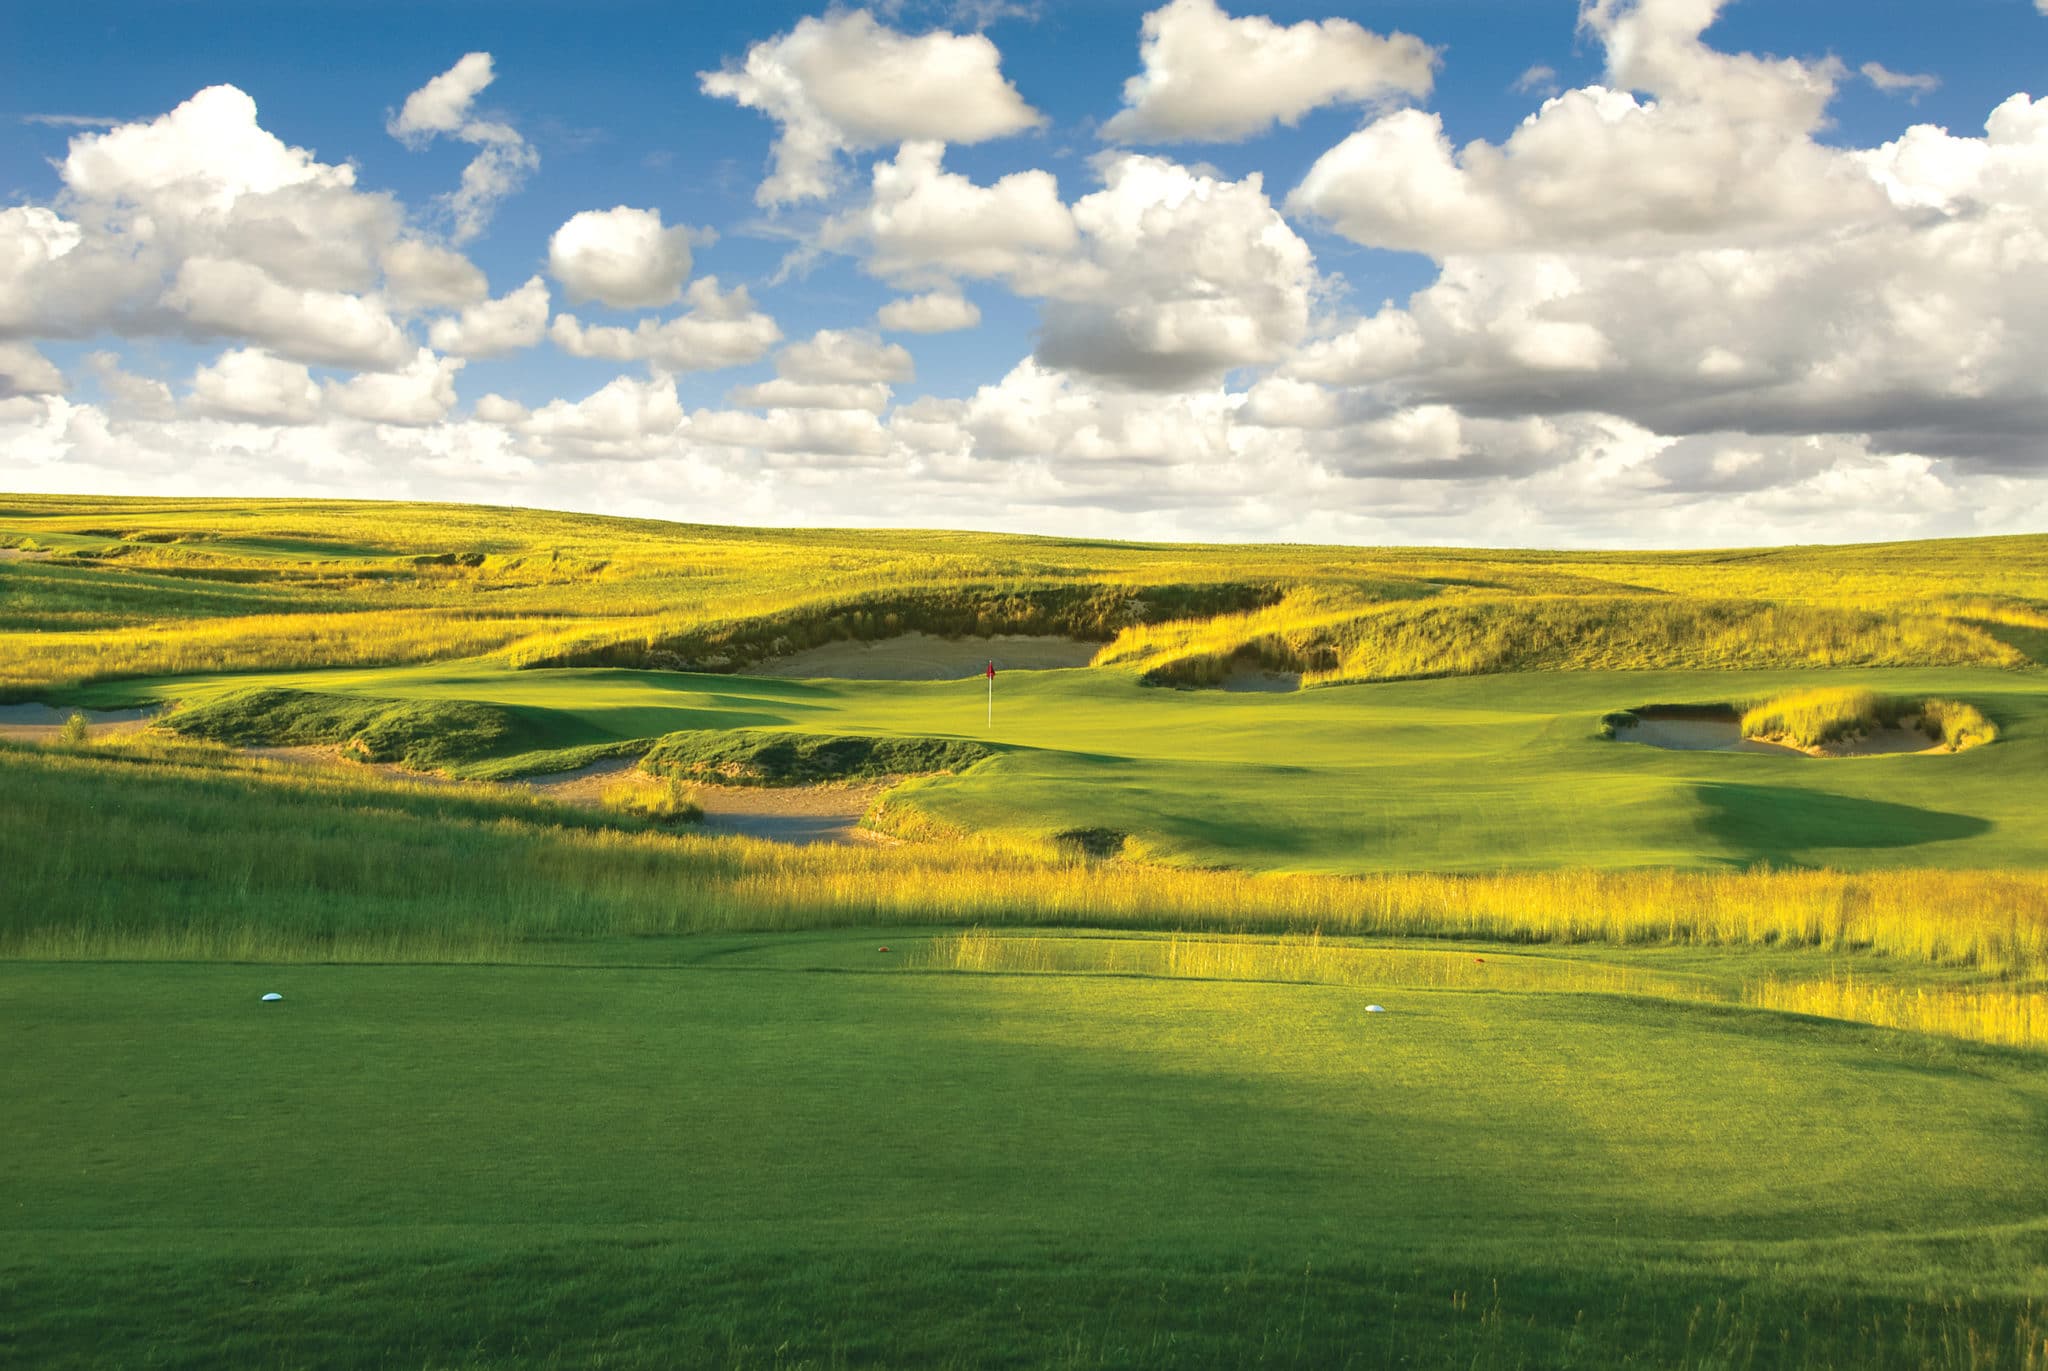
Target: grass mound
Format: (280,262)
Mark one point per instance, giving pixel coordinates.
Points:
(1087,612)
(424,735)
(1821,718)
(770,757)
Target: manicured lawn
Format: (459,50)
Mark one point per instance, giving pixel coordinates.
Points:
(791,1151)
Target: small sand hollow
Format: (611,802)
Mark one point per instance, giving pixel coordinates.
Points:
(794,814)
(43,723)
(922,657)
(1704,731)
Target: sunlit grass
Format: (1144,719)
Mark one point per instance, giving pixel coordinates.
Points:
(189,851)
(2008,1017)
(1817,718)
(1307,959)
(167,587)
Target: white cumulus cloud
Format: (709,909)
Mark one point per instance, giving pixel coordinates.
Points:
(1209,77)
(622,257)
(444,107)
(720,329)
(249,383)
(490,327)
(845,83)
(939,311)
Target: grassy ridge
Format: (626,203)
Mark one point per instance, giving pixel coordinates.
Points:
(233,586)
(424,735)
(1332,639)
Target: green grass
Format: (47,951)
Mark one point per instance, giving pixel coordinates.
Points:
(552,1087)
(775,757)
(425,735)
(1477,775)
(531,1166)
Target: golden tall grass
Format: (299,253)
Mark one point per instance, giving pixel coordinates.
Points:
(1816,718)
(2006,1017)
(277,642)
(449,581)
(1311,959)
(1810,718)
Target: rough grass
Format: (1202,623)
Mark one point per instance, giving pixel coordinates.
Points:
(194,853)
(775,758)
(154,587)
(1956,725)
(1817,718)
(424,735)
(1814,718)
(674,802)
(1306,959)
(2006,1016)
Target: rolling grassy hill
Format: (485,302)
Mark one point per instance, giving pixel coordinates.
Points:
(1681,1059)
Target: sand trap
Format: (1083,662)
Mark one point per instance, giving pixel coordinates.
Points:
(329,754)
(1682,731)
(1254,682)
(801,815)
(922,657)
(21,554)
(43,723)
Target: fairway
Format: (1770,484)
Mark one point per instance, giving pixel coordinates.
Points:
(803,1105)
(1485,774)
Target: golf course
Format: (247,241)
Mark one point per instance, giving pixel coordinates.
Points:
(688,953)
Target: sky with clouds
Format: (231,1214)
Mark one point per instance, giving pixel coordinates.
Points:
(1617,272)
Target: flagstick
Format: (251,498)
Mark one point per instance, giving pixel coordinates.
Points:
(991,699)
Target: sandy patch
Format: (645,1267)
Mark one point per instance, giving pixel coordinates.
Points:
(1685,732)
(1242,681)
(801,815)
(21,554)
(922,657)
(1694,733)
(43,723)
(330,755)
(1886,742)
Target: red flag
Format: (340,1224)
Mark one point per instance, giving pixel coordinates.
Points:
(991,671)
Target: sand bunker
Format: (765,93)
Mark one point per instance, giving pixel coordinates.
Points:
(922,657)
(1252,681)
(43,723)
(330,754)
(1699,731)
(801,815)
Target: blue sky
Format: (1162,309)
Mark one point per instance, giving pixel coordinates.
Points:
(1508,395)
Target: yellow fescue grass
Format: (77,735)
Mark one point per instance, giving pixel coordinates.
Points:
(277,642)
(1813,718)
(2007,1017)
(1996,921)
(1311,959)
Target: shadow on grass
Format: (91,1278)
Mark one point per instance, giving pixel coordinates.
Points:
(1782,824)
